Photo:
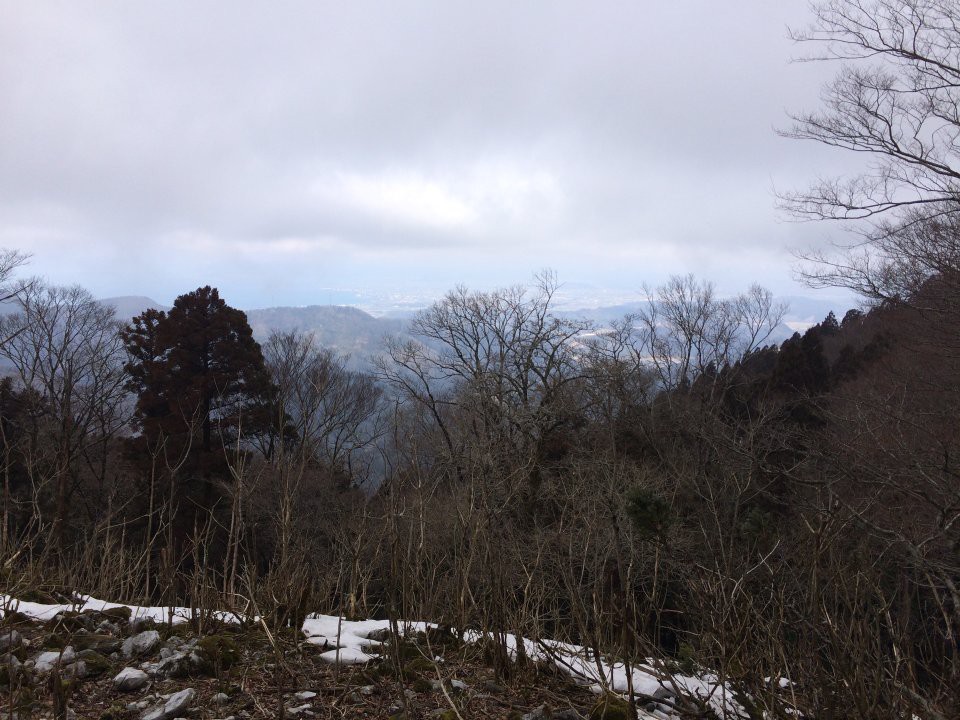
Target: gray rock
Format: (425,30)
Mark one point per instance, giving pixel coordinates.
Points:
(10,639)
(220,698)
(381,635)
(101,642)
(305,695)
(539,713)
(663,693)
(75,670)
(45,661)
(458,684)
(108,628)
(175,706)
(13,665)
(140,644)
(177,665)
(138,624)
(130,680)
(491,687)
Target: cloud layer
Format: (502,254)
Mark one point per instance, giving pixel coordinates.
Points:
(273,149)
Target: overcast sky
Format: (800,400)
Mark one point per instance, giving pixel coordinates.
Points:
(274,149)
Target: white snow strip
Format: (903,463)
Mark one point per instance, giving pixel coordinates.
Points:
(580,664)
(159,614)
(350,642)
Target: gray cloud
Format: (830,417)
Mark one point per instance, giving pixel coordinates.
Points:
(273,149)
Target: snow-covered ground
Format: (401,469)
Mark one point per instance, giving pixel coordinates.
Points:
(44,612)
(352,642)
(356,642)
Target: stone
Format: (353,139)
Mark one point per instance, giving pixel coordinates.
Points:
(381,635)
(10,669)
(119,613)
(70,621)
(493,688)
(102,643)
(305,695)
(130,680)
(45,661)
(175,706)
(220,698)
(107,627)
(140,644)
(10,639)
(180,664)
(611,707)
(75,670)
(219,652)
(663,693)
(139,624)
(458,685)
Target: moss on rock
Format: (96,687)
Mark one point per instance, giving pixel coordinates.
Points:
(96,663)
(611,707)
(219,651)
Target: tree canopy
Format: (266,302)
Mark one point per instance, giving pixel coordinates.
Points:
(197,371)
(896,101)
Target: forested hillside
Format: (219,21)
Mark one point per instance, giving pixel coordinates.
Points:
(760,529)
(673,487)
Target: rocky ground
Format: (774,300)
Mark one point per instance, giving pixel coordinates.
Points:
(102,666)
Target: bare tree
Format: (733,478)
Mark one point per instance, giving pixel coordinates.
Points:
(895,100)
(500,362)
(331,411)
(686,331)
(10,260)
(66,347)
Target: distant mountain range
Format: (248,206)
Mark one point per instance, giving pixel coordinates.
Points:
(346,330)
(354,332)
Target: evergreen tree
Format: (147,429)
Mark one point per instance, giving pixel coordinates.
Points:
(197,372)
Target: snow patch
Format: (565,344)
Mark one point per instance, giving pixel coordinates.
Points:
(353,642)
